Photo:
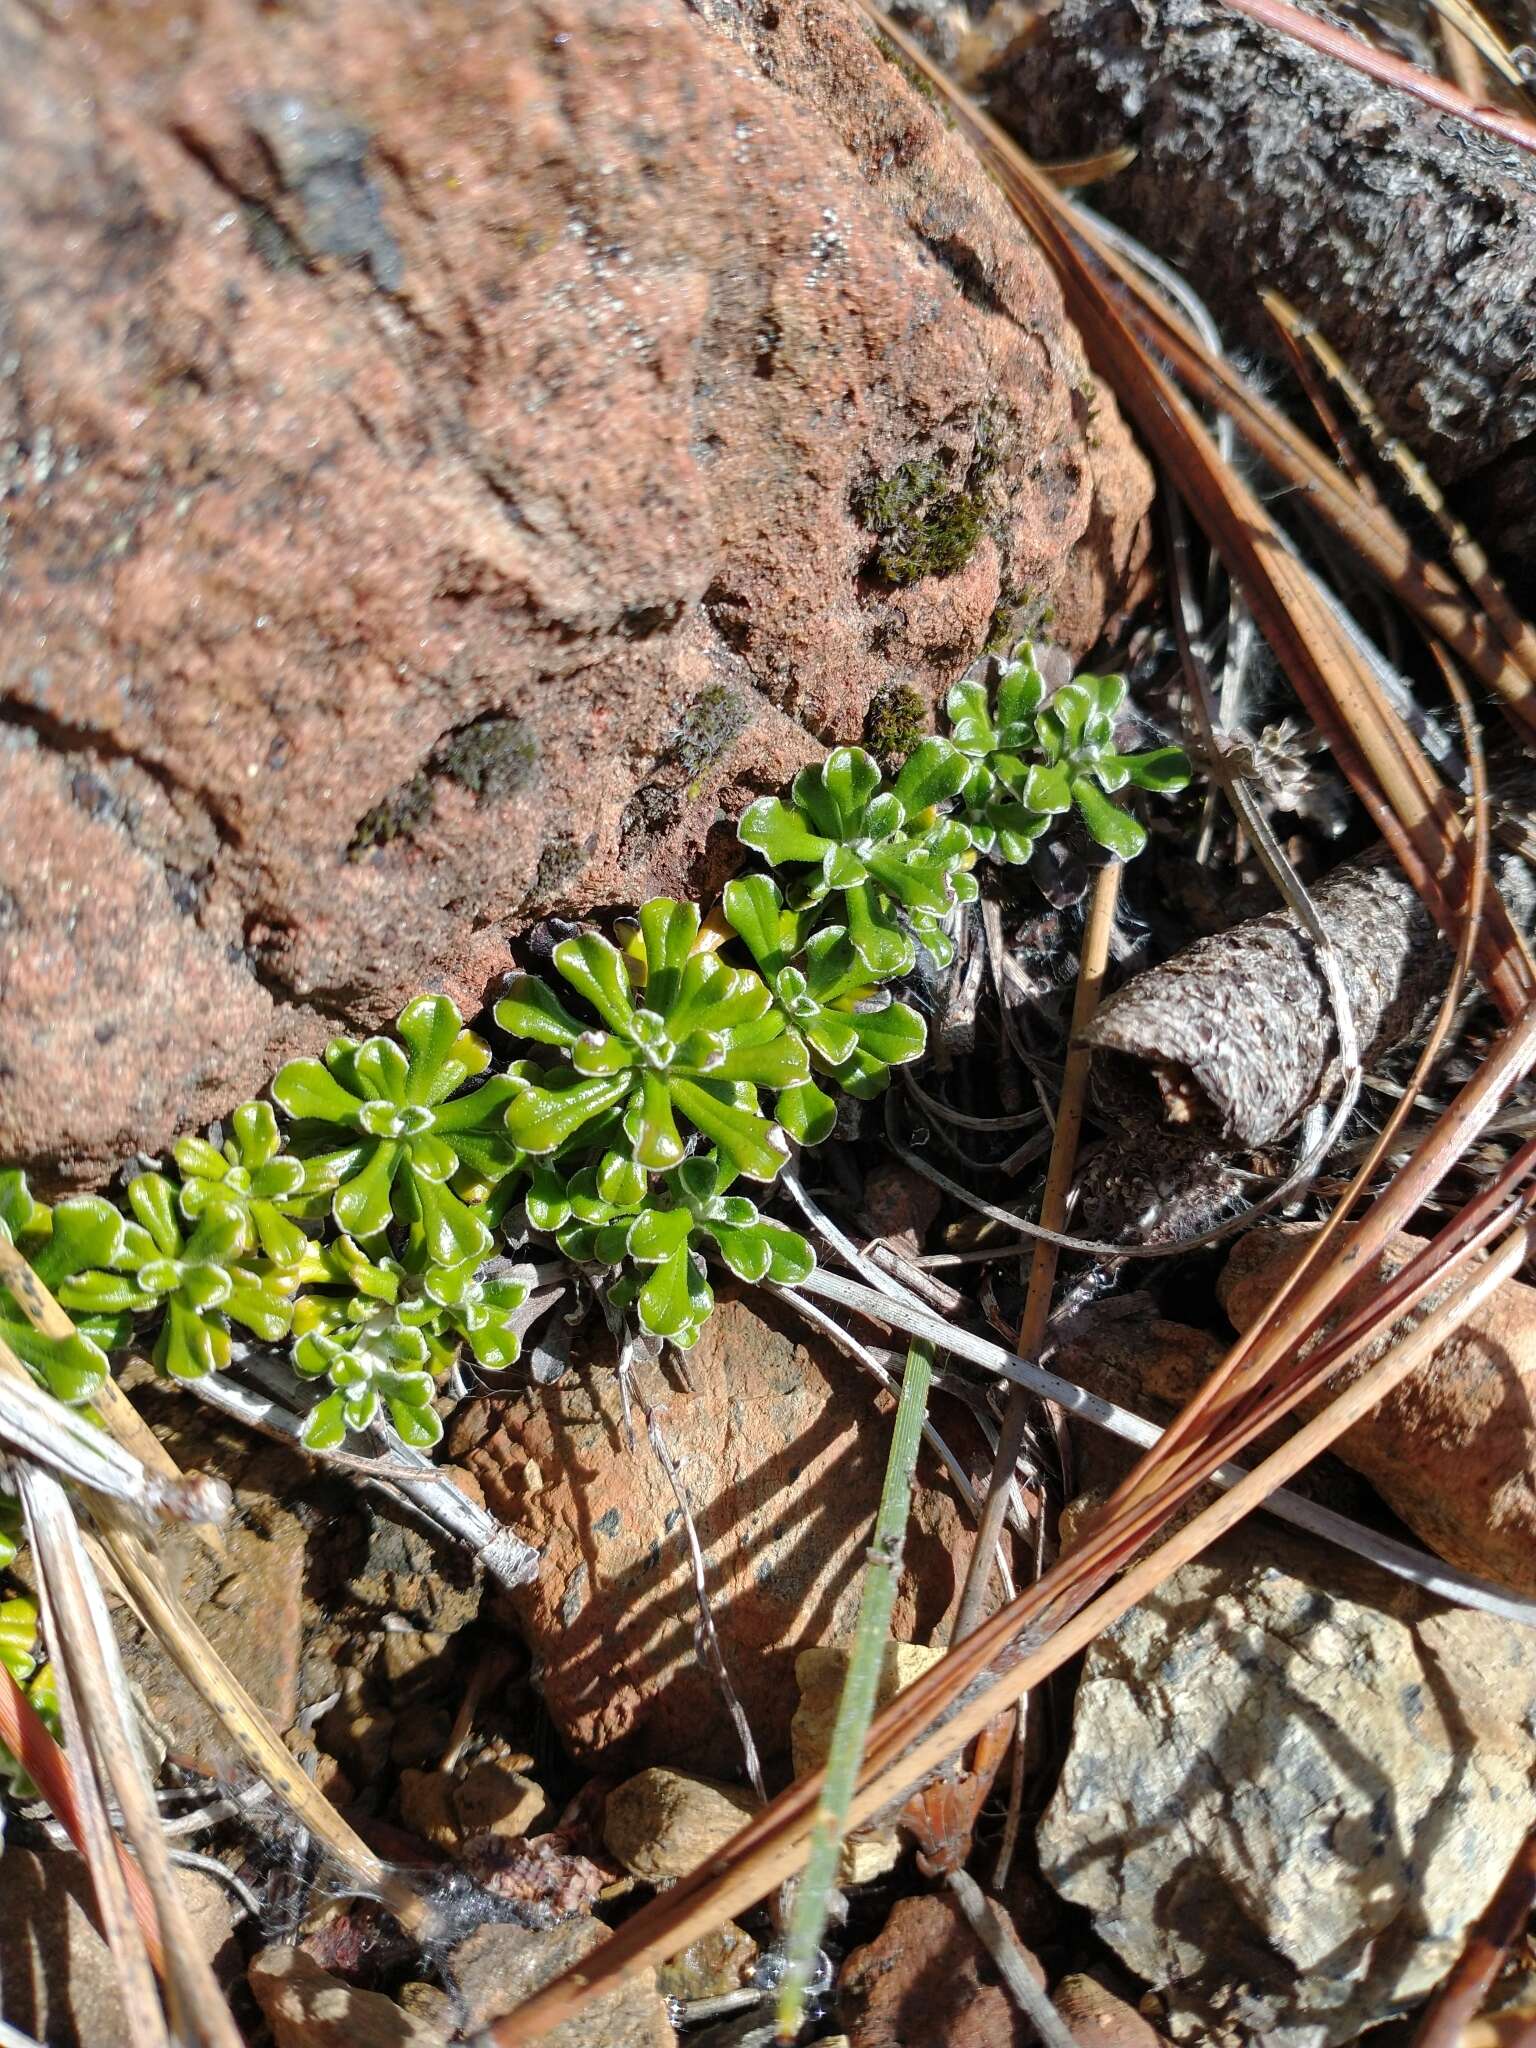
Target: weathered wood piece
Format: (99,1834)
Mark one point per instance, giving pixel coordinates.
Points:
(1236,1035)
(1409,237)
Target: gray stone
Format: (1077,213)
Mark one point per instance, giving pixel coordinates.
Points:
(1291,1786)
(499,1966)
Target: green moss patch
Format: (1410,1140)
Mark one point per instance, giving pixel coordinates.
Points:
(924,525)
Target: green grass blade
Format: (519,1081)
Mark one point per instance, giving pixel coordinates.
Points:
(856,1708)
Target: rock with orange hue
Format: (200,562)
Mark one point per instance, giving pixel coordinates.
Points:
(1453,1448)
(662,1824)
(782,1445)
(1097,2019)
(443,451)
(926,1978)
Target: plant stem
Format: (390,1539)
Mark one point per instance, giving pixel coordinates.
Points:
(1053,1214)
(861,1682)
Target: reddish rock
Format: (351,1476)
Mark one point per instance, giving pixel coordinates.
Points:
(1097,2019)
(436,439)
(900,1205)
(1453,1448)
(782,1444)
(926,1978)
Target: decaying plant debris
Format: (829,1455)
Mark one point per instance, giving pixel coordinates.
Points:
(1236,1034)
(930,1070)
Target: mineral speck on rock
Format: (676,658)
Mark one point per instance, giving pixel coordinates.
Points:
(1292,1784)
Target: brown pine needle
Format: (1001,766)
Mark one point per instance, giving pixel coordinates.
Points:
(1467,553)
(143,1583)
(1379,756)
(768,1849)
(1497,1928)
(1092,965)
(139,1576)
(1388,70)
(1362,522)
(88,1666)
(1071,173)
(26,1736)
(1264,1376)
(1462,22)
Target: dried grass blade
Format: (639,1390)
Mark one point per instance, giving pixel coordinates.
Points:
(79,1710)
(1093,964)
(142,1579)
(1473,26)
(1466,552)
(86,1655)
(1360,520)
(123,1420)
(1380,757)
(1307,1300)
(1471,1291)
(1422,586)
(1069,173)
(1403,1560)
(1434,597)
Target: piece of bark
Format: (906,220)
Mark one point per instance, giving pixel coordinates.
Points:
(1409,237)
(1236,1034)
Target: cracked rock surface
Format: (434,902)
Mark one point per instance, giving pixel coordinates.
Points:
(780,1440)
(1292,1785)
(437,446)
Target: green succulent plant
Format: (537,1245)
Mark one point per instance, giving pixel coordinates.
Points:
(1034,758)
(370,1335)
(479,1308)
(894,865)
(404,1131)
(19,1656)
(18,1637)
(61,1244)
(1001,808)
(855,1030)
(1076,733)
(199,1279)
(695,1041)
(251,1174)
(613,1215)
